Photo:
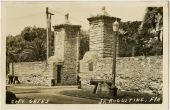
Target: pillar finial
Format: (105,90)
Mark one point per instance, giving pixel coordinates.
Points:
(103,8)
(67,18)
(104,11)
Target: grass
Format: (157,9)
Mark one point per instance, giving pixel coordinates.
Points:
(123,97)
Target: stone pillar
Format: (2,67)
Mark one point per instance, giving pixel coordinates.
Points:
(103,41)
(59,44)
(102,37)
(66,51)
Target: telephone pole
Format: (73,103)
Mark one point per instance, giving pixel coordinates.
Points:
(48,15)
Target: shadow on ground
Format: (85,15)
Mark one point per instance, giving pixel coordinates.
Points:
(72,95)
(123,97)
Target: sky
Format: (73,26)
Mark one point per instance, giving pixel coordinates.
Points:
(18,15)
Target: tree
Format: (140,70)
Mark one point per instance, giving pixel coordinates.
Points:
(30,45)
(30,33)
(150,18)
(128,38)
(11,58)
(35,35)
(14,46)
(150,31)
(84,43)
(36,51)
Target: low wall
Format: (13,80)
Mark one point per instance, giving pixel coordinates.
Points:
(143,74)
(31,72)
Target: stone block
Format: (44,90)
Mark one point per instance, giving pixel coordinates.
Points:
(130,74)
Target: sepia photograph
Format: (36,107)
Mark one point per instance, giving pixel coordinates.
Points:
(82,52)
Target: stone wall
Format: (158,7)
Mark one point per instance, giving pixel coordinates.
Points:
(140,74)
(143,74)
(33,73)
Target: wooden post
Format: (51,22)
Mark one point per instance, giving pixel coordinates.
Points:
(47,36)
(12,68)
(77,59)
(48,17)
(133,51)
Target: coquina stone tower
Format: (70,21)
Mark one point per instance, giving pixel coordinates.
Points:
(66,48)
(102,36)
(98,64)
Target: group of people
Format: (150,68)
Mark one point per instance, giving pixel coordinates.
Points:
(12,79)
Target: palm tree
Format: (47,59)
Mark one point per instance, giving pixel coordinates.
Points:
(150,19)
(35,51)
(152,27)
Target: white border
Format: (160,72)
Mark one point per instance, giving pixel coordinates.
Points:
(163,106)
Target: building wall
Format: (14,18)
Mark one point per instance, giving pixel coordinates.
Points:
(143,74)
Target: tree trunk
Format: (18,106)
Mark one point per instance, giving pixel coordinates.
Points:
(7,68)
(133,51)
(12,68)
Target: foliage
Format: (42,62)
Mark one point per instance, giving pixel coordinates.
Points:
(141,35)
(84,43)
(35,51)
(128,37)
(144,44)
(14,44)
(31,33)
(149,21)
(147,32)
(30,45)
(130,28)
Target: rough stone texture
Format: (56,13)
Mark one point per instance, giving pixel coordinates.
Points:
(143,74)
(102,37)
(66,53)
(31,73)
(103,46)
(140,74)
(59,44)
(69,70)
(132,74)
